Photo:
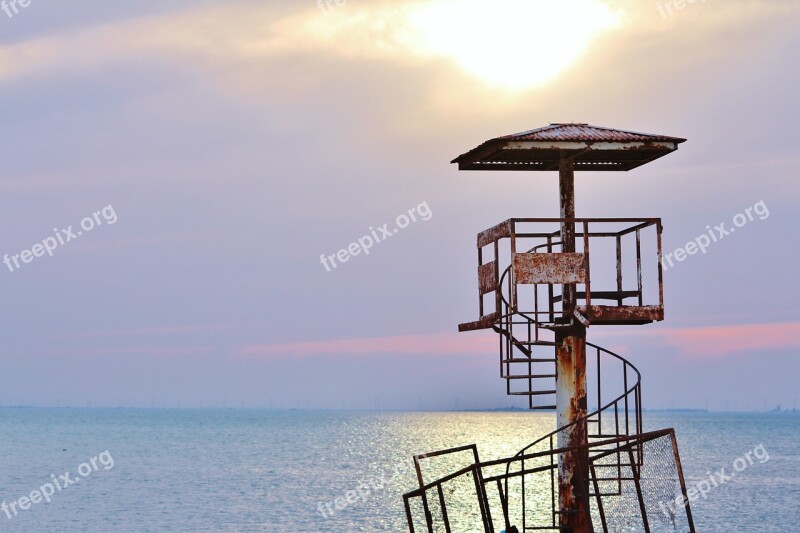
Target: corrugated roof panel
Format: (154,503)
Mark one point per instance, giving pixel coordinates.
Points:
(585,132)
(589,147)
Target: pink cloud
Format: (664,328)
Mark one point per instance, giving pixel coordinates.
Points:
(700,342)
(434,344)
(718,341)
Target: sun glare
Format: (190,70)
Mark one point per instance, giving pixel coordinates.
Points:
(530,48)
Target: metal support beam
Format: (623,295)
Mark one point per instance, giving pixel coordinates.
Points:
(573,467)
(566,182)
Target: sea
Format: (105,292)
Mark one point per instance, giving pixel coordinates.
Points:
(240,470)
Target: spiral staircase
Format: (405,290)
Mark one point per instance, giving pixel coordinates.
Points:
(634,477)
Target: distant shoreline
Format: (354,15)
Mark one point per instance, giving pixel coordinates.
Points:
(687,410)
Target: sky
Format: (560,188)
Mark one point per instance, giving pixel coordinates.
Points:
(218,149)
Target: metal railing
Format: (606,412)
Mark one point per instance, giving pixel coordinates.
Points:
(479,491)
(532,238)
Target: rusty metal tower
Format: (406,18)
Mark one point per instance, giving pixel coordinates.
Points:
(537,288)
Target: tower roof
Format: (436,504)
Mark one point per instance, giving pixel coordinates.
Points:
(589,147)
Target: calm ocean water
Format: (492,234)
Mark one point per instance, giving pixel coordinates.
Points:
(273,471)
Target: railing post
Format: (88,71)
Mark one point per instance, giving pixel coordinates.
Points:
(588,264)
(619,268)
(660,266)
(639,266)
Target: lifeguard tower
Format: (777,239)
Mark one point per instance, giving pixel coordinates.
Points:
(542,283)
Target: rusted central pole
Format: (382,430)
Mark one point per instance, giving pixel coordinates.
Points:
(573,467)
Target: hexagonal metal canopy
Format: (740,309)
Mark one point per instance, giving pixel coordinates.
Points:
(589,148)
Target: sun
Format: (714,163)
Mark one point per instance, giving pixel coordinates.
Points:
(515,44)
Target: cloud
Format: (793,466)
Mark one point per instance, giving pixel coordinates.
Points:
(490,46)
(715,342)
(719,341)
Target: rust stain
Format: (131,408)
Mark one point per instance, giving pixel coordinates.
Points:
(549,268)
(487,277)
(495,233)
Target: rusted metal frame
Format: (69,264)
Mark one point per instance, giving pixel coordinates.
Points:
(682,481)
(619,268)
(600,508)
(428,515)
(443,505)
(480,293)
(625,379)
(502,340)
(495,233)
(619,457)
(536,314)
(524,504)
(588,283)
(639,266)
(551,304)
(591,220)
(549,242)
(522,488)
(660,266)
(530,372)
(417,465)
(597,234)
(630,441)
(553,484)
(599,397)
(409,518)
(639,495)
(639,419)
(604,295)
(418,492)
(528,235)
(504,504)
(648,222)
(509,344)
(509,353)
(513,227)
(566,184)
(483,499)
(498,288)
(639,396)
(624,441)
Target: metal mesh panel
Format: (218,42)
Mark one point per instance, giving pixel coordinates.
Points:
(638,484)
